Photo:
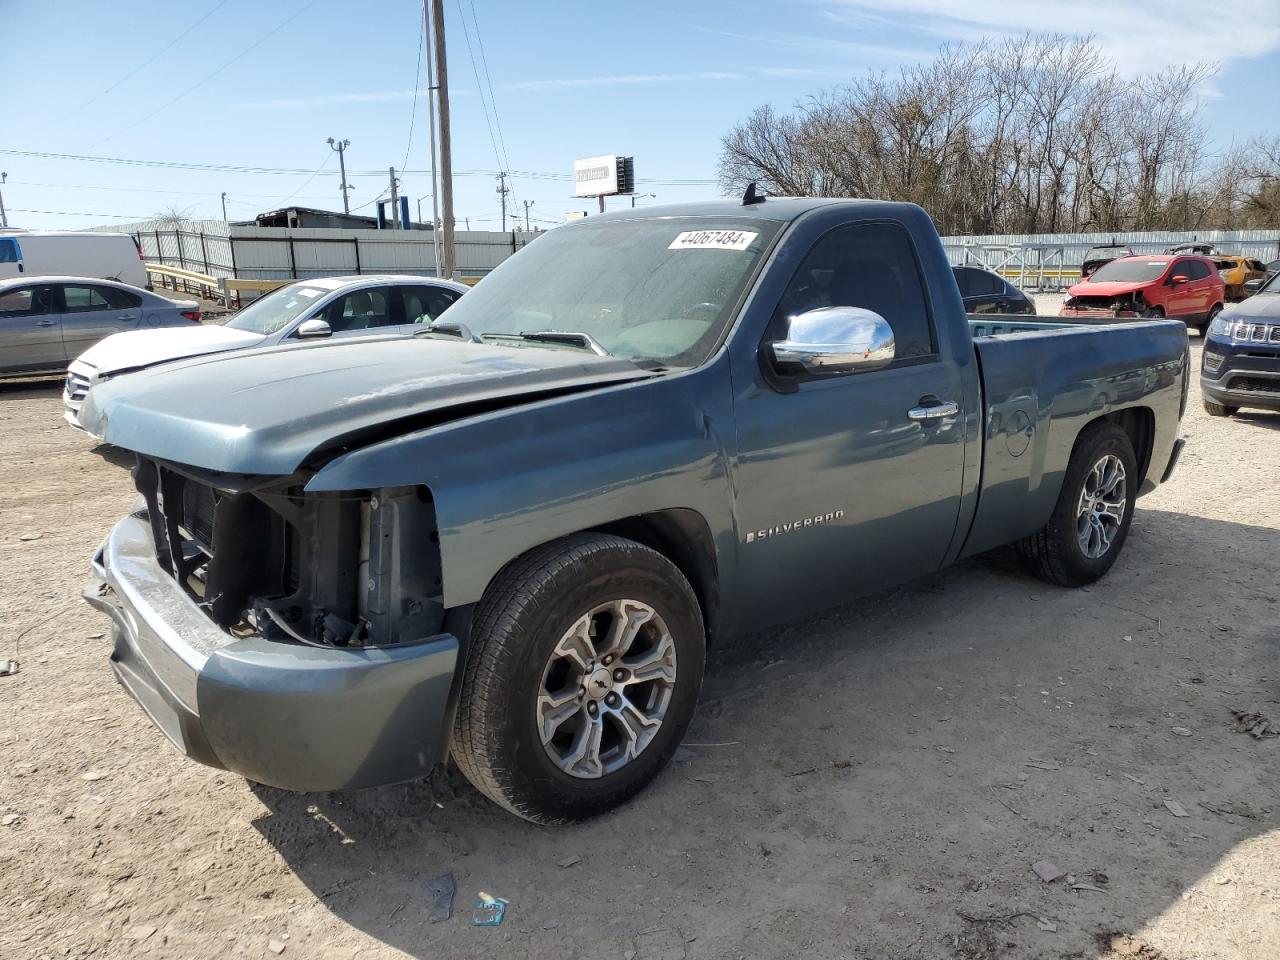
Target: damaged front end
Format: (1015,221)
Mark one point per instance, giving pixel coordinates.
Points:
(262,557)
(295,638)
(1125,305)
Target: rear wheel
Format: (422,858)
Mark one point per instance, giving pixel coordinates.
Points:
(582,676)
(1219,409)
(1091,519)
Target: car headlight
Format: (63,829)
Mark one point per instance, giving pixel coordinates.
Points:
(1221,326)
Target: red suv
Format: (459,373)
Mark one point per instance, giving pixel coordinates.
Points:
(1186,288)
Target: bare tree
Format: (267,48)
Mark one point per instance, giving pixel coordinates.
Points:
(1031,133)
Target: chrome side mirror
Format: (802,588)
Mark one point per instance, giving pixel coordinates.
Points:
(313,329)
(835,340)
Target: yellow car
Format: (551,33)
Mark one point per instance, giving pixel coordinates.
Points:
(1236,271)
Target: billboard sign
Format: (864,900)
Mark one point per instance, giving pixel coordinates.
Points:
(595,177)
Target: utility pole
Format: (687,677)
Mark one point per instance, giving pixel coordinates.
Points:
(503,190)
(4,217)
(341,147)
(395,202)
(527,205)
(224,206)
(431,126)
(449,258)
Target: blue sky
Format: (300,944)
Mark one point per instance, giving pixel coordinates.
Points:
(662,82)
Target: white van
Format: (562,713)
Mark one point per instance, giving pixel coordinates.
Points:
(103,256)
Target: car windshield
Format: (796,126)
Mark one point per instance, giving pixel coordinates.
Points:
(1130,271)
(660,289)
(1098,253)
(276,310)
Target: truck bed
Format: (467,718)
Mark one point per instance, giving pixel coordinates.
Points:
(995,324)
(1043,379)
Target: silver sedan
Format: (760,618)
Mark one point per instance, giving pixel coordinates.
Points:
(47,321)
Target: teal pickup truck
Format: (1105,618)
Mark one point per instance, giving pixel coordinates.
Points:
(511,539)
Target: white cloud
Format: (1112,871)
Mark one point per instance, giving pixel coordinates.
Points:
(624,78)
(1139,36)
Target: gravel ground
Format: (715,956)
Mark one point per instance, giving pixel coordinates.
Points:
(876,782)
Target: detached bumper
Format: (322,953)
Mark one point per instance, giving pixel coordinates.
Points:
(292,716)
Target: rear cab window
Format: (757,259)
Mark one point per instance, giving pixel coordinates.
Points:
(9,252)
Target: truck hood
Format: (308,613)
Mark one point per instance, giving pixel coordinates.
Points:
(1113,288)
(135,349)
(275,409)
(1261,306)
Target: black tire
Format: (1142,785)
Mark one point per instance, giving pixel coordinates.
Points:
(1219,409)
(1152,313)
(1054,553)
(517,625)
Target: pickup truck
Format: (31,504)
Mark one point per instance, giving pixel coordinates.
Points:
(511,540)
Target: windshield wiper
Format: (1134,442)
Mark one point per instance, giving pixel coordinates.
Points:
(445,326)
(573,337)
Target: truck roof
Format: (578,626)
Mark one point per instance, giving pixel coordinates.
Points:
(781,209)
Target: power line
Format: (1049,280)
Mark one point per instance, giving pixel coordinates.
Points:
(136,70)
(201,82)
(296,171)
(497,156)
(417,78)
(307,182)
(497,119)
(82,213)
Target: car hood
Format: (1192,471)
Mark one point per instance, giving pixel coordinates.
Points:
(1112,288)
(135,349)
(1261,306)
(273,410)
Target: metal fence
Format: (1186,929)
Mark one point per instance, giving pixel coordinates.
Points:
(218,249)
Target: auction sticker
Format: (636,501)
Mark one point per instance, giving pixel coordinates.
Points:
(712,240)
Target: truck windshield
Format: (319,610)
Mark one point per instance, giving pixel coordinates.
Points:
(660,289)
(1130,271)
(276,310)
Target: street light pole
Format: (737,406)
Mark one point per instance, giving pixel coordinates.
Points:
(4,217)
(527,205)
(341,147)
(634,195)
(224,206)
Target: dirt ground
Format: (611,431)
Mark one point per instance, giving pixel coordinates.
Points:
(872,783)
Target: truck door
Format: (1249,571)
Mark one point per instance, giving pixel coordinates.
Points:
(30,334)
(849,482)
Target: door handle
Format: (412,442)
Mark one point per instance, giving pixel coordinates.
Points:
(46,323)
(127,316)
(935,411)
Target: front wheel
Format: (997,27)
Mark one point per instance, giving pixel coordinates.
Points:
(1091,519)
(1219,409)
(582,675)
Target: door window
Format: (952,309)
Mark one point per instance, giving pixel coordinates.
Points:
(1196,269)
(25,302)
(119,299)
(8,250)
(84,299)
(869,265)
(984,283)
(425,304)
(360,310)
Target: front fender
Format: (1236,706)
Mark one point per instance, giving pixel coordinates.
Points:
(507,481)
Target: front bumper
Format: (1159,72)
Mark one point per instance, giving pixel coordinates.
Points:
(1244,374)
(291,716)
(80,378)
